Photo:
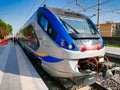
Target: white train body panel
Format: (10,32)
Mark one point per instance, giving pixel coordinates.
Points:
(67,67)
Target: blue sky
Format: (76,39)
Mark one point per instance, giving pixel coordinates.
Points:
(17,12)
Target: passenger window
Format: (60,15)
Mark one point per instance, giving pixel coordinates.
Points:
(44,23)
(30,37)
(51,32)
(48,28)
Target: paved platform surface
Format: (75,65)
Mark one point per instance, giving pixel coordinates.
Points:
(16,71)
(112,50)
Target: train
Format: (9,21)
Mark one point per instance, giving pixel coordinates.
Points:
(68,44)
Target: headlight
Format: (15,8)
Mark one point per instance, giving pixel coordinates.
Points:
(64,43)
(71,46)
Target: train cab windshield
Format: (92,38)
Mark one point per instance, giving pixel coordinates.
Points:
(78,25)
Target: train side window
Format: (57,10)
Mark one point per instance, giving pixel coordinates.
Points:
(51,32)
(44,23)
(47,27)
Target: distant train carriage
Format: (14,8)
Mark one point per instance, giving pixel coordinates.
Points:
(68,43)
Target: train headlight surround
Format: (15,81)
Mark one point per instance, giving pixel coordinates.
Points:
(64,43)
(70,46)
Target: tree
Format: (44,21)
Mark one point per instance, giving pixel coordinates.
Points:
(9,28)
(5,29)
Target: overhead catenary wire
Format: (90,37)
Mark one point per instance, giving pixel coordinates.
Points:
(68,4)
(30,10)
(35,2)
(27,15)
(115,11)
(94,6)
(101,3)
(110,11)
(43,2)
(84,7)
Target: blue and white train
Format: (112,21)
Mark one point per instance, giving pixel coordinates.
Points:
(68,44)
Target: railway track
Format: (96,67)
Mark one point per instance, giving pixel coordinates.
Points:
(113,58)
(114,82)
(109,84)
(97,86)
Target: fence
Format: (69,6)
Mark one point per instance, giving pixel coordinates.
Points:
(111,39)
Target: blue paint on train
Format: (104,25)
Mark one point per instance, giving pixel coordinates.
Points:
(51,59)
(62,34)
(44,58)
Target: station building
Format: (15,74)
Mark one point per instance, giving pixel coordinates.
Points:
(110,29)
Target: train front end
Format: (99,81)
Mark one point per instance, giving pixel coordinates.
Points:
(78,48)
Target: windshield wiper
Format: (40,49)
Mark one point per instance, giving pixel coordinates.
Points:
(65,23)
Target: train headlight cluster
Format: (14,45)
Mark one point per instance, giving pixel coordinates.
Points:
(66,45)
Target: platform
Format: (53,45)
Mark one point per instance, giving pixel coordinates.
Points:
(113,52)
(16,71)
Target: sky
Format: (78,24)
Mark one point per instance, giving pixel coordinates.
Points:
(17,12)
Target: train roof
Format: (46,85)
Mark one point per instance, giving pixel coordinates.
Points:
(66,12)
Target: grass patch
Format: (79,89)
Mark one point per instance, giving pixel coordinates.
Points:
(112,44)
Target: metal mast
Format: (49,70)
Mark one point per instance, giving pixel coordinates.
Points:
(98,17)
